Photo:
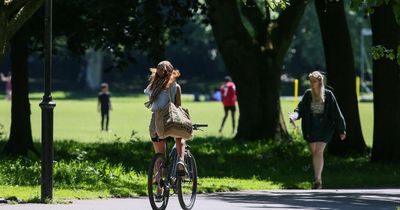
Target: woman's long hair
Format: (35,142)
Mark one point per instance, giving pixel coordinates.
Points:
(318,76)
(161,77)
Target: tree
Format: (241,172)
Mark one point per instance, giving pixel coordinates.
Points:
(341,73)
(13,15)
(20,140)
(253,45)
(386,87)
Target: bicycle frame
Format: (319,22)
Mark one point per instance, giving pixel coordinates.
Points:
(169,177)
(170,166)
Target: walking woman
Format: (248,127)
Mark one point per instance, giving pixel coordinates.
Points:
(162,83)
(321,116)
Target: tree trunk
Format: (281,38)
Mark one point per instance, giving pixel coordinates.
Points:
(386,77)
(3,48)
(20,141)
(255,67)
(258,94)
(341,74)
(3,35)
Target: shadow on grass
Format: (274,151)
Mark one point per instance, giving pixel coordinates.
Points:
(286,163)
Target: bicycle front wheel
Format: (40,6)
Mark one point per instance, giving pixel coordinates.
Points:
(157,185)
(187,185)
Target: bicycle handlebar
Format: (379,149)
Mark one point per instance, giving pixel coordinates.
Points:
(197,126)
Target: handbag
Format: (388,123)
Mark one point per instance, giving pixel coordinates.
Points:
(173,121)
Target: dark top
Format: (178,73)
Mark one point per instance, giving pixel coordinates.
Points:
(104,99)
(331,119)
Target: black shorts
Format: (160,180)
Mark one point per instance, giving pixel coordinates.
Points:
(231,108)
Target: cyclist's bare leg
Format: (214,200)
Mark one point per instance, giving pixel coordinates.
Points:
(159,147)
(180,148)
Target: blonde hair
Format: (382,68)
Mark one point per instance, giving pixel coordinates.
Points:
(318,76)
(164,71)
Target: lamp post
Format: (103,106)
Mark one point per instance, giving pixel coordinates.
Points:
(47,105)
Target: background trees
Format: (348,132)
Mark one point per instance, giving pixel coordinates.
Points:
(253,45)
(253,37)
(341,73)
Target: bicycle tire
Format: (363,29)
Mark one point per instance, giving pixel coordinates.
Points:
(152,184)
(190,177)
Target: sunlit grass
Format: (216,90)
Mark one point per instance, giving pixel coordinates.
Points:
(78,119)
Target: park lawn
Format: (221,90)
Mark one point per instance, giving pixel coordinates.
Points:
(32,193)
(78,119)
(223,165)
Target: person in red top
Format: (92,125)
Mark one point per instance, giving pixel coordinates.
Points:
(228,96)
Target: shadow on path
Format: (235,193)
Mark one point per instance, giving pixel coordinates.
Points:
(318,199)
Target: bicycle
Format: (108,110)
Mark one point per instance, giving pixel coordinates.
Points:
(162,177)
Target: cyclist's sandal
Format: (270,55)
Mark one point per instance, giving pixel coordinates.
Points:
(180,168)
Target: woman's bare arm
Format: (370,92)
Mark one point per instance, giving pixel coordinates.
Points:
(178,101)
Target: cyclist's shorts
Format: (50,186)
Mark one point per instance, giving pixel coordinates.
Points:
(152,130)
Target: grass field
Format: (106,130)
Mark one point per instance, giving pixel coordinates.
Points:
(108,164)
(78,119)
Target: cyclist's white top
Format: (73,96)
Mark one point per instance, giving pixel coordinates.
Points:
(162,100)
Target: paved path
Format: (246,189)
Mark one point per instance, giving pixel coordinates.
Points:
(277,199)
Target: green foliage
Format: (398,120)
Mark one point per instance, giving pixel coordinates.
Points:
(380,51)
(277,4)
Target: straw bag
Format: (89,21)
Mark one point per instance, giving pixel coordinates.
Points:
(173,121)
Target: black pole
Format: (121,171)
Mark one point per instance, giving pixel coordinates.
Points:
(47,105)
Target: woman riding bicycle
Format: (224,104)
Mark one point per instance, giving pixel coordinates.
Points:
(162,83)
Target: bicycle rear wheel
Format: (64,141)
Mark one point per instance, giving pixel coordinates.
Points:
(157,185)
(187,185)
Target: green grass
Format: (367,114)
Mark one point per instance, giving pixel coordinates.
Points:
(32,193)
(99,164)
(78,119)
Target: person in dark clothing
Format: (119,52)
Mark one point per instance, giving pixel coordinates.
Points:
(321,116)
(104,105)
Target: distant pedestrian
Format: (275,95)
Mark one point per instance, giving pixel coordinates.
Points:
(7,80)
(228,97)
(104,106)
(321,116)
